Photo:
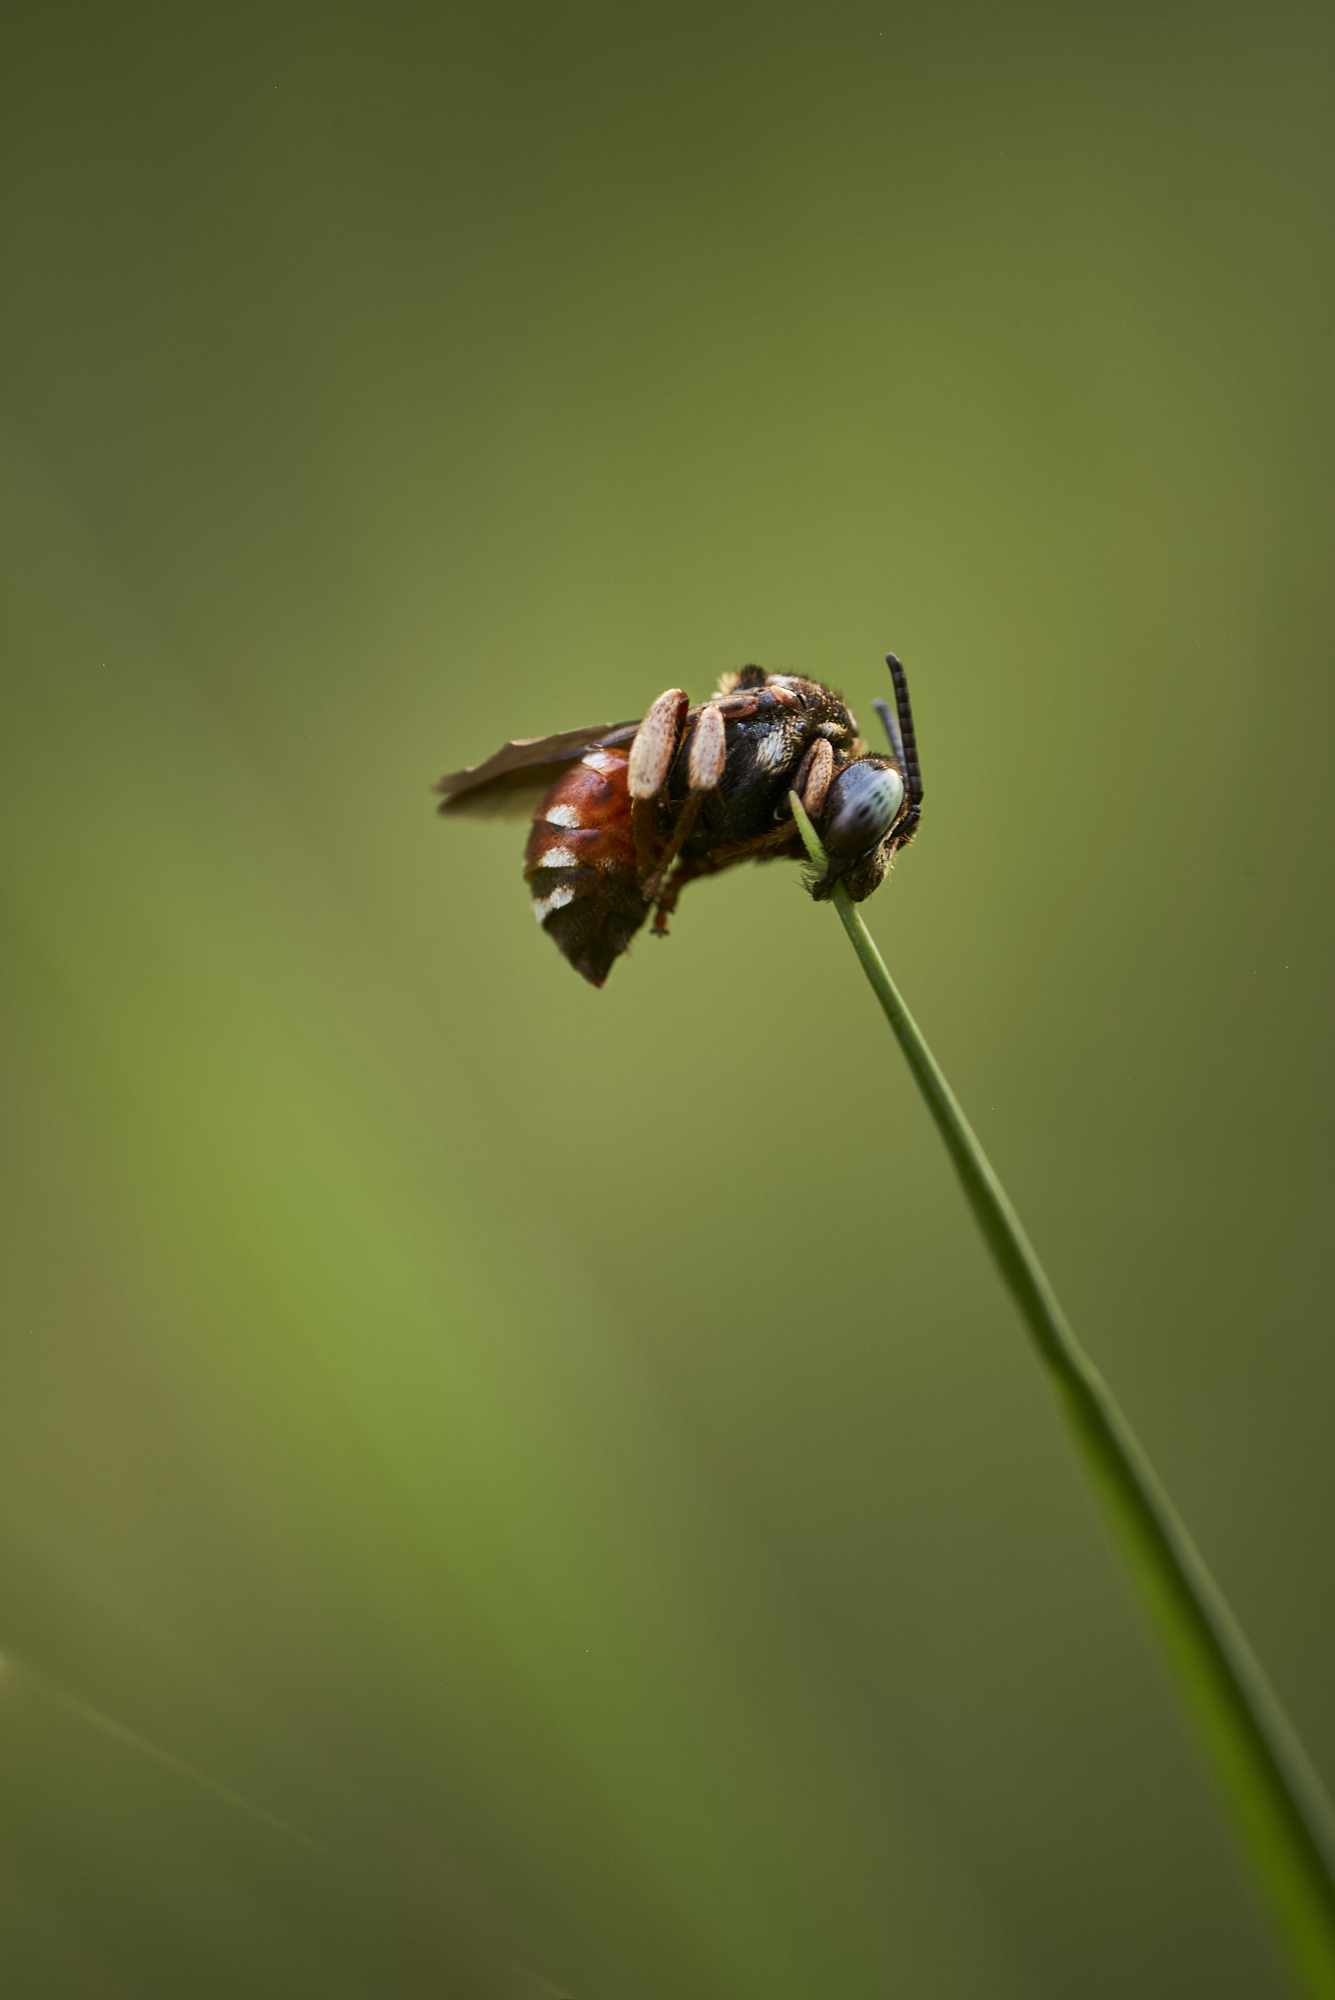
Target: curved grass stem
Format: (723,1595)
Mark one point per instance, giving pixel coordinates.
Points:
(1283,1816)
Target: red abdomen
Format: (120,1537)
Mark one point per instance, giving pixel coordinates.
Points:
(580,864)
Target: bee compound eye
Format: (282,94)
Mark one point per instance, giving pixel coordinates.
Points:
(861,808)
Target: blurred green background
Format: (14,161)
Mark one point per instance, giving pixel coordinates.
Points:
(508,1489)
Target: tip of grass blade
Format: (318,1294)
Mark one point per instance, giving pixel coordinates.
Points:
(810,838)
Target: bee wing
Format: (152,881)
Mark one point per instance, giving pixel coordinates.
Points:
(510,784)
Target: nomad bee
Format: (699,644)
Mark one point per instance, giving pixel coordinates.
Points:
(627,815)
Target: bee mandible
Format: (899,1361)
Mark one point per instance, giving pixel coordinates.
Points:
(628,814)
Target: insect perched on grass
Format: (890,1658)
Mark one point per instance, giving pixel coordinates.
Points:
(624,817)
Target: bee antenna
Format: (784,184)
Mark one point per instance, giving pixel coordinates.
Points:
(891,728)
(908,742)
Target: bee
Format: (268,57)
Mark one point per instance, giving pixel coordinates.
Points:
(626,815)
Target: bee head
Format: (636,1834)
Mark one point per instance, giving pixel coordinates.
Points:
(862,822)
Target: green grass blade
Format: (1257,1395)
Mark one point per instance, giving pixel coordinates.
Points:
(1285,1820)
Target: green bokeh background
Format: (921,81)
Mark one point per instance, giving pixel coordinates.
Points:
(505,1488)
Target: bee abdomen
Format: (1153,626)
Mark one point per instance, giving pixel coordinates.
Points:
(580,865)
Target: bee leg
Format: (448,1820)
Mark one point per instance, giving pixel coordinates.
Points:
(813,778)
(704,768)
(738,706)
(690,871)
(651,758)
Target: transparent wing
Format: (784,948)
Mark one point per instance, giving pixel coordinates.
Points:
(510,784)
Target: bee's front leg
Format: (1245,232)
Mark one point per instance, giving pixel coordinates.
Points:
(813,779)
(704,768)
